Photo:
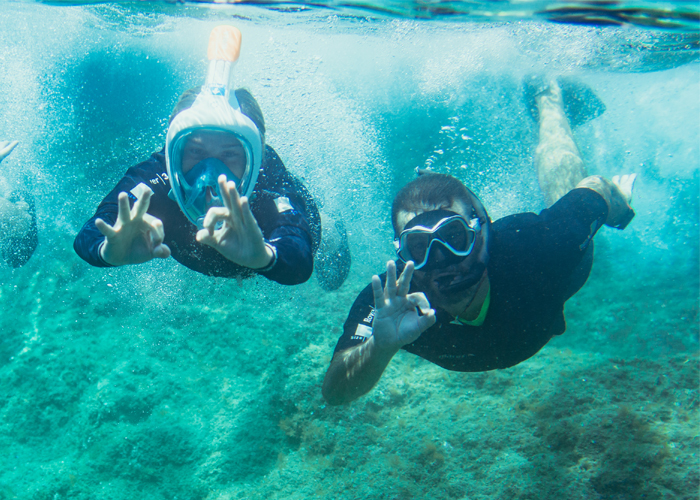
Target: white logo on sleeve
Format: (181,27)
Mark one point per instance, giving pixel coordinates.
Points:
(363,331)
(139,190)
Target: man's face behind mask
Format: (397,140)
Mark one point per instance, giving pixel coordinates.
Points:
(458,279)
(222,146)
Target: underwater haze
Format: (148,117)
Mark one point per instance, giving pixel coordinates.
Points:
(155,382)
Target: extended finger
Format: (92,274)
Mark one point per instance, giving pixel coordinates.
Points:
(405,279)
(378,292)
(236,202)
(248,217)
(223,189)
(141,206)
(124,214)
(105,228)
(231,199)
(390,288)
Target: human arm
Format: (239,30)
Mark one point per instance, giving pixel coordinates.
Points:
(233,231)
(136,236)
(285,230)
(284,211)
(397,322)
(143,180)
(6,148)
(617,195)
(288,217)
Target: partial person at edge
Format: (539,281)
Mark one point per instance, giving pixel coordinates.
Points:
(18,227)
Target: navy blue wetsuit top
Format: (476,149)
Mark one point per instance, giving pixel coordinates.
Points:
(533,261)
(294,232)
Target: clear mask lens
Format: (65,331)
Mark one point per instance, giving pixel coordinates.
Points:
(452,236)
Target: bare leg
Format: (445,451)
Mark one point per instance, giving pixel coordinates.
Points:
(557,159)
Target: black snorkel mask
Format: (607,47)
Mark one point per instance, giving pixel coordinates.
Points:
(441,231)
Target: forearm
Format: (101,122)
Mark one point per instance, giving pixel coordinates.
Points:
(355,371)
(87,244)
(88,241)
(293,261)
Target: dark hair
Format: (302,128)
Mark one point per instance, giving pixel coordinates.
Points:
(432,190)
(249,106)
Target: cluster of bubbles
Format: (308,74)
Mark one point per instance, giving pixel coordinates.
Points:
(352,105)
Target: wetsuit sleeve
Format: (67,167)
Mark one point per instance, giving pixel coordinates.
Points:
(548,250)
(287,230)
(287,217)
(87,242)
(574,220)
(358,326)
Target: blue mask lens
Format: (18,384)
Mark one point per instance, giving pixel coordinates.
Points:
(202,179)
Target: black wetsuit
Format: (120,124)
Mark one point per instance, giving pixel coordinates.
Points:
(536,263)
(294,232)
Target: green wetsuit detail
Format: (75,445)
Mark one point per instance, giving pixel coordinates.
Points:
(482,314)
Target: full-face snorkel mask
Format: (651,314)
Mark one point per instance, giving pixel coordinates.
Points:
(216,114)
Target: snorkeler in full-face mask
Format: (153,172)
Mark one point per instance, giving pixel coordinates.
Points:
(216,198)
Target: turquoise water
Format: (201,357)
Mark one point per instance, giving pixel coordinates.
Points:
(154,382)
